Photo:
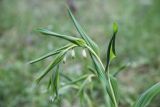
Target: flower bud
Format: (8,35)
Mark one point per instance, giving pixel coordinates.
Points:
(84,54)
(64,59)
(51,98)
(72,53)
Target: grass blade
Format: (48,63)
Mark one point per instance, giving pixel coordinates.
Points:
(148,95)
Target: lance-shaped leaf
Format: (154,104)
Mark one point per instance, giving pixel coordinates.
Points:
(111,84)
(50,54)
(119,69)
(82,33)
(61,74)
(114,96)
(56,61)
(85,82)
(148,95)
(55,81)
(67,77)
(102,77)
(74,40)
(51,65)
(114,83)
(77,80)
(111,53)
(92,70)
(99,69)
(66,88)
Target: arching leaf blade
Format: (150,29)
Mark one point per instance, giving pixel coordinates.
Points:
(115,88)
(72,39)
(147,96)
(50,54)
(82,33)
(51,66)
(56,61)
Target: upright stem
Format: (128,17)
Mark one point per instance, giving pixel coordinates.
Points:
(110,85)
(109,81)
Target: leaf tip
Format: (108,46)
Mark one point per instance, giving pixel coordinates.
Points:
(115,27)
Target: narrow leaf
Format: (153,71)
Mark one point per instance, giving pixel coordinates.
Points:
(56,61)
(119,69)
(87,39)
(66,88)
(49,83)
(114,86)
(98,68)
(51,65)
(111,53)
(74,40)
(78,79)
(44,57)
(50,54)
(88,99)
(148,95)
(66,77)
(92,70)
(55,81)
(114,83)
(82,86)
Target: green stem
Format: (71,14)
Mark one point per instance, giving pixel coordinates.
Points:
(90,49)
(110,85)
(109,81)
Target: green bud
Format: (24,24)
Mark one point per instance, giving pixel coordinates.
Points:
(115,27)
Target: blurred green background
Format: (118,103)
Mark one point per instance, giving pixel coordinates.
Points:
(137,43)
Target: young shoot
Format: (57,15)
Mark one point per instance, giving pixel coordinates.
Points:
(99,71)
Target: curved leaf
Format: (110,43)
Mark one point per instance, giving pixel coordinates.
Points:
(148,95)
(82,33)
(50,54)
(74,40)
(54,62)
(51,65)
(111,53)
(114,86)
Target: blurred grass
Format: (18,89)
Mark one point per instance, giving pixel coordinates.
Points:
(137,43)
